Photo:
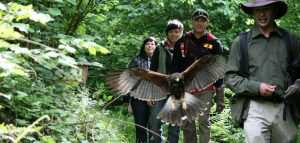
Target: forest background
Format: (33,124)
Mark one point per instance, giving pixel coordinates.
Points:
(48,47)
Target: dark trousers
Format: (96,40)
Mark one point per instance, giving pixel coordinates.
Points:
(155,125)
(140,111)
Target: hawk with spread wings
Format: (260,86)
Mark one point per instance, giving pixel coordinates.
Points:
(152,86)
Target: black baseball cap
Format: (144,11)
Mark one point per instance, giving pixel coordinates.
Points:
(200,13)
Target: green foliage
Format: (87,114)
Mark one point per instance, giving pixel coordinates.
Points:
(8,131)
(38,80)
(45,43)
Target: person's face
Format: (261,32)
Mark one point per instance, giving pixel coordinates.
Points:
(174,34)
(264,16)
(149,48)
(199,24)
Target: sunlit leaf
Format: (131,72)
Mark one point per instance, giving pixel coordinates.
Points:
(5,95)
(68,61)
(81,30)
(40,17)
(20,50)
(92,50)
(23,12)
(3,44)
(52,54)
(21,94)
(109,97)
(96,64)
(19,71)
(9,17)
(22,27)
(103,50)
(2,6)
(7,32)
(47,139)
(67,48)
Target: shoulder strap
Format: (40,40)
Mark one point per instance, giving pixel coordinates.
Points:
(210,37)
(244,63)
(287,39)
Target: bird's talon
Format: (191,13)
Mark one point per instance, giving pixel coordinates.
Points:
(184,105)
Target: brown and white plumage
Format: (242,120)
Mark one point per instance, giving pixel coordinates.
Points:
(152,86)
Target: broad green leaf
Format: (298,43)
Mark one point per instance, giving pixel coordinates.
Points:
(5,95)
(9,33)
(67,48)
(22,15)
(9,18)
(81,30)
(3,44)
(103,50)
(23,12)
(72,2)
(109,97)
(96,64)
(52,54)
(21,94)
(47,139)
(46,64)
(22,27)
(68,61)
(19,50)
(92,50)
(19,71)
(40,17)
(2,6)
(54,11)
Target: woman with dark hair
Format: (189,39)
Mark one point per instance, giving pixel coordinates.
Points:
(140,108)
(161,62)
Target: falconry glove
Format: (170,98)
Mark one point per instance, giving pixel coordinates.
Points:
(292,94)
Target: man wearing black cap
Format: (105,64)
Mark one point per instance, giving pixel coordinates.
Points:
(190,47)
(269,119)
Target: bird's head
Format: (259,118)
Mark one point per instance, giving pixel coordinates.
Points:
(176,84)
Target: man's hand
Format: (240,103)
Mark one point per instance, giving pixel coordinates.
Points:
(220,99)
(292,93)
(266,89)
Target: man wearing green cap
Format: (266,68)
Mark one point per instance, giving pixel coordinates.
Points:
(267,85)
(191,46)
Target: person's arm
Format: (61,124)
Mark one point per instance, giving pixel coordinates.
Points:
(292,94)
(233,79)
(178,57)
(155,59)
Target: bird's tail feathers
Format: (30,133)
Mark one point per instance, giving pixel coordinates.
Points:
(170,112)
(194,108)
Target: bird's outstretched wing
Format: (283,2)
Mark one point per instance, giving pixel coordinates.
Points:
(142,84)
(204,72)
(173,110)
